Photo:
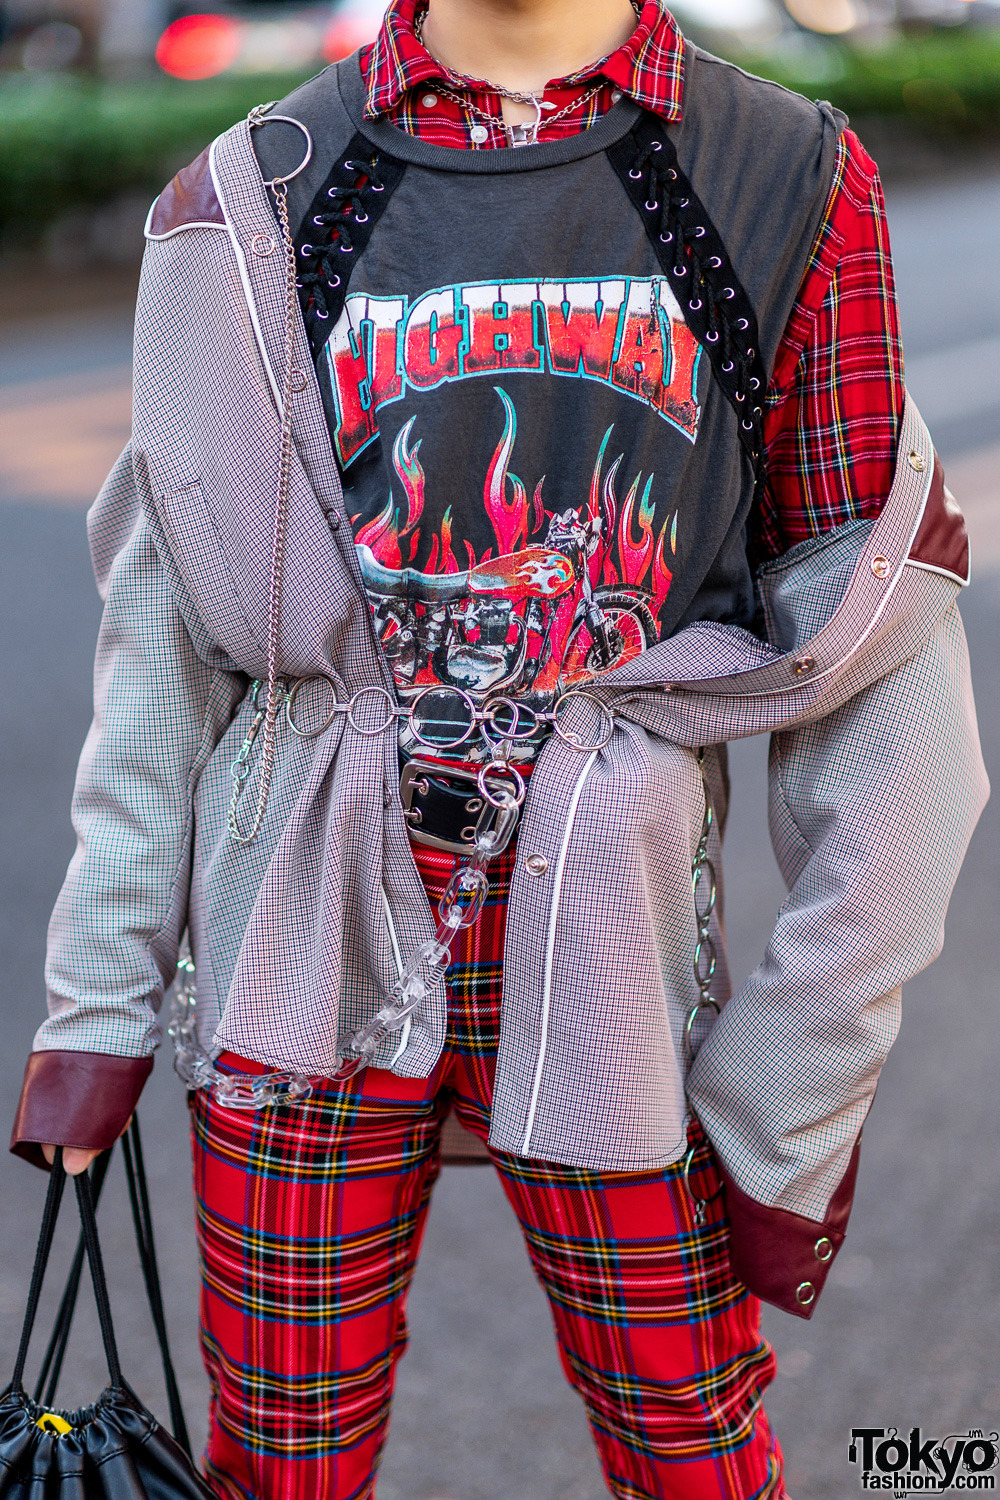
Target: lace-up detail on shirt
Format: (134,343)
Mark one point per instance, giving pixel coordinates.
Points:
(701,275)
(336,230)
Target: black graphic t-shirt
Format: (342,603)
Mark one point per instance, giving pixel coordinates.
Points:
(534,417)
(484,574)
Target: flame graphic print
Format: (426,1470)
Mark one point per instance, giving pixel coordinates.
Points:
(561,597)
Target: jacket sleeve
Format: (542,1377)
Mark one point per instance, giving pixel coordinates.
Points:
(871,811)
(162,701)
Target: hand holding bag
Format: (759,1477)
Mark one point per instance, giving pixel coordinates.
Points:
(115,1449)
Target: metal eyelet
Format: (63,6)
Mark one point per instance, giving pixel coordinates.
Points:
(635,176)
(651,206)
(696,305)
(684,203)
(754,383)
(715,262)
(747,426)
(361,218)
(346,249)
(729,366)
(711,338)
(739,396)
(334,283)
(666,239)
(729,293)
(317,220)
(307,251)
(742,324)
(680,270)
(322,316)
(699,233)
(672,175)
(379,189)
(656,145)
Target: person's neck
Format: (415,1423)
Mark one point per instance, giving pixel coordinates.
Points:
(522,44)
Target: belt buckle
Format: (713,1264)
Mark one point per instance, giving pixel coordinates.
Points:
(413,784)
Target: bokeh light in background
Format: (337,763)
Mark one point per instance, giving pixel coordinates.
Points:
(303,38)
(199,46)
(203,46)
(832,17)
(353,24)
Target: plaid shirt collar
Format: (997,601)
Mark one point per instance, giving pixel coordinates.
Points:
(649,68)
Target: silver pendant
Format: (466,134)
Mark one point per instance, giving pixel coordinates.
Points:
(526,135)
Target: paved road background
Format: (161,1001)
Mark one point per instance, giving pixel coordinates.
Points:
(907,1332)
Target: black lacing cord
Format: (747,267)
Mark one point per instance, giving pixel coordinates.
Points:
(138,1192)
(53,1198)
(55,1353)
(346,210)
(85,1202)
(703,279)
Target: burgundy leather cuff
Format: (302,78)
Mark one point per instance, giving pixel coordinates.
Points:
(942,540)
(75,1099)
(782,1257)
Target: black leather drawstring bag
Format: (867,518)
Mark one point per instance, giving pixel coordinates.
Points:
(115,1449)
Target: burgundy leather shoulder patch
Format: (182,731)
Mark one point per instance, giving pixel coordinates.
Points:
(783,1257)
(76,1099)
(942,540)
(188,200)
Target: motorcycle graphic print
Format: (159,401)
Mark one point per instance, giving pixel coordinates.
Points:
(560,597)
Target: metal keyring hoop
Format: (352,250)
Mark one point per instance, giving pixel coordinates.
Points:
(503,773)
(442,744)
(255,120)
(575,741)
(352,708)
(688,1164)
(310,734)
(491,728)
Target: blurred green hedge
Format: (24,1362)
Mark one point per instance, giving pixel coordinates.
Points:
(66,143)
(945,85)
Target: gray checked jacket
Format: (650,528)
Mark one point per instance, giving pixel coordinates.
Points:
(876,783)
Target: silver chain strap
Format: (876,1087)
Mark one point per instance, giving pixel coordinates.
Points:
(269,716)
(705,891)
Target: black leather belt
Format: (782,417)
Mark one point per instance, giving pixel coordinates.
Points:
(443,806)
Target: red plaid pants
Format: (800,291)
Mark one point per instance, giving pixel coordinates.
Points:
(310,1219)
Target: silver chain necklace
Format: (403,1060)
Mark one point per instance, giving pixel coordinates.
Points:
(517,135)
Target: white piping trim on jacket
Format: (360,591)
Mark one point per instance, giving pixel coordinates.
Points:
(550,947)
(945,572)
(705,688)
(404,1036)
(180,228)
(245,279)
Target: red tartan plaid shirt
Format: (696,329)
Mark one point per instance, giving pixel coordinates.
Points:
(836,396)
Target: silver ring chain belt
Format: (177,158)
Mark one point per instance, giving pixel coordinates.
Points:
(440,719)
